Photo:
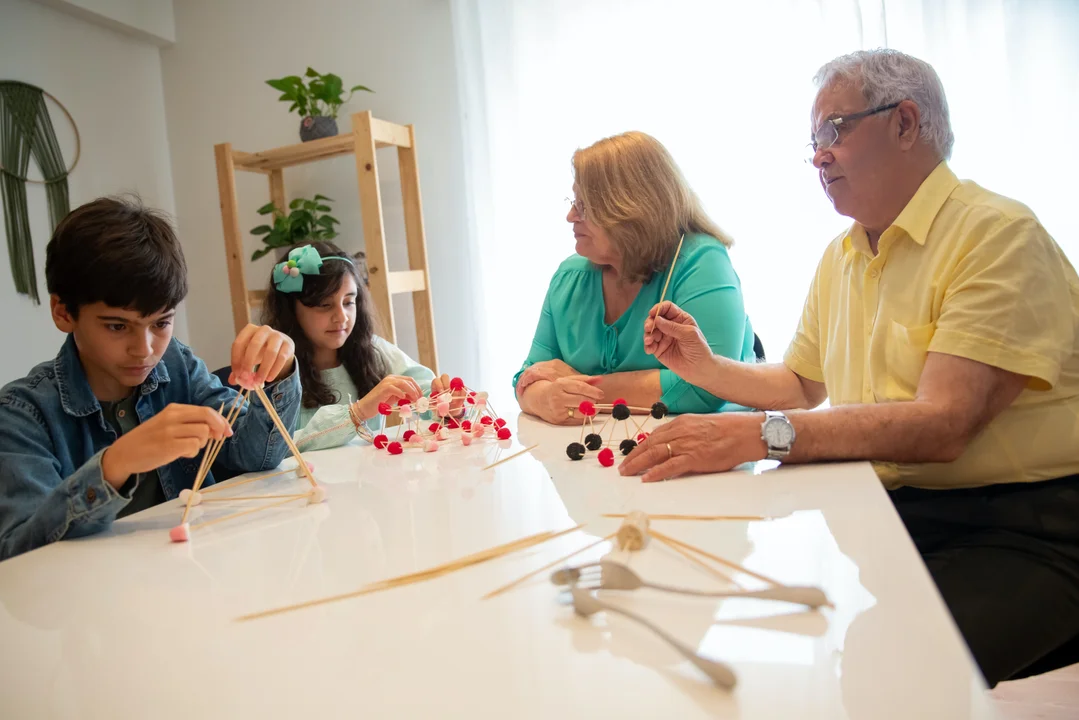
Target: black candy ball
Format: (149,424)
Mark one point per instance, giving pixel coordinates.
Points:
(620,412)
(575,451)
(627,445)
(659,410)
(593,441)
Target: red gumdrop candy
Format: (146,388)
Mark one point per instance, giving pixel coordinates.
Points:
(587,408)
(452,423)
(500,423)
(619,401)
(408,435)
(384,408)
(641,437)
(606,457)
(457,384)
(396,449)
(486,420)
(433,427)
(471,400)
(380,441)
(472,393)
(504,434)
(466,425)
(402,402)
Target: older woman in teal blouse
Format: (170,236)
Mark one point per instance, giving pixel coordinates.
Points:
(630,210)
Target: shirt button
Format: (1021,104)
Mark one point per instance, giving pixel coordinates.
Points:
(121,413)
(91,495)
(874,273)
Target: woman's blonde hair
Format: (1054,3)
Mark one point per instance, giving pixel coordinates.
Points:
(632,188)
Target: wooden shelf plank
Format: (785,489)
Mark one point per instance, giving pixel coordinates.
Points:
(255,297)
(386,134)
(402,281)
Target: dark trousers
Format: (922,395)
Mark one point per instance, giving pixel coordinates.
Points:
(1006,561)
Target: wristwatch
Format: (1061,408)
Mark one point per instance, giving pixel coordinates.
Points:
(778,434)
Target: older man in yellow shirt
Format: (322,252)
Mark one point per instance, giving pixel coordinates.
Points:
(942,326)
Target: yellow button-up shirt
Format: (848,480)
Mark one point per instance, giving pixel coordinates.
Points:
(965,272)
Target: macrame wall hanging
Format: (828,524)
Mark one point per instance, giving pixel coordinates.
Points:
(26,131)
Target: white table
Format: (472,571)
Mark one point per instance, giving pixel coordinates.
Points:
(127,625)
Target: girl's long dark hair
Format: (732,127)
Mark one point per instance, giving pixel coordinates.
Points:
(361,360)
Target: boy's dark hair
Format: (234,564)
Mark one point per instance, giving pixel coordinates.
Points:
(118,252)
(359,355)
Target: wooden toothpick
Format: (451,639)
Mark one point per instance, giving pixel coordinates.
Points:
(671,271)
(715,558)
(285,435)
(548,566)
(260,508)
(516,454)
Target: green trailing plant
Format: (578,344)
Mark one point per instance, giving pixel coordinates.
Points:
(319,96)
(308,221)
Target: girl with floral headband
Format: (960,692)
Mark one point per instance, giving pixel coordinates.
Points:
(317,298)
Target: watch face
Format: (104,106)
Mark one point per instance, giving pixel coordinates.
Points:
(778,433)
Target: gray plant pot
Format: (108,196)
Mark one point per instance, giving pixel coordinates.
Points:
(314,128)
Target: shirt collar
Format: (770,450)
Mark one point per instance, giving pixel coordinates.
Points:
(917,217)
(76,397)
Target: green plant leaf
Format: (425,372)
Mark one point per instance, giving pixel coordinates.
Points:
(266,209)
(259,253)
(262,230)
(326,221)
(323,208)
(323,197)
(360,87)
(311,72)
(301,217)
(295,204)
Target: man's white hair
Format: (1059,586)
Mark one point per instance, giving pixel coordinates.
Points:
(888,76)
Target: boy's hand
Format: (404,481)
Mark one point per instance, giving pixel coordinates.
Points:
(175,432)
(265,348)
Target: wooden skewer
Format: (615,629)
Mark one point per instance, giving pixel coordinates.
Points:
(238,483)
(260,508)
(548,566)
(234,413)
(671,271)
(662,516)
(285,434)
(507,459)
(699,563)
(716,558)
(632,408)
(429,574)
(256,497)
(198,474)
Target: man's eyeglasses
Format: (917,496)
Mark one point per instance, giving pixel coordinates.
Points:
(828,133)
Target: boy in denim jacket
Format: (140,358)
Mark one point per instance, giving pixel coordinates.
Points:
(115,422)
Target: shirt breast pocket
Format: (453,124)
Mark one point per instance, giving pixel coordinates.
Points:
(905,358)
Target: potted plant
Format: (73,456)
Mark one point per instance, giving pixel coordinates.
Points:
(306,222)
(316,101)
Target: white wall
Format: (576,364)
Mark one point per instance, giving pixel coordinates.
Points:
(111,84)
(149,20)
(215,92)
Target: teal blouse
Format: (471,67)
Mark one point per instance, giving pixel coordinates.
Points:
(704,284)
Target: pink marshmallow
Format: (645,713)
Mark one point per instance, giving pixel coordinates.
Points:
(443,408)
(186,495)
(430,446)
(180,533)
(318,494)
(246,380)
(442,434)
(466,439)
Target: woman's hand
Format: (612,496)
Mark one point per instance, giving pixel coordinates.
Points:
(561,396)
(545,370)
(389,390)
(673,337)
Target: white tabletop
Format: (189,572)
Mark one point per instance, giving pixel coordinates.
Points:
(129,625)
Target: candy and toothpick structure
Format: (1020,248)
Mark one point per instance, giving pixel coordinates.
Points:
(621,413)
(196,495)
(479,418)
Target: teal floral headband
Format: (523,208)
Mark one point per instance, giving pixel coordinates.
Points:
(288,275)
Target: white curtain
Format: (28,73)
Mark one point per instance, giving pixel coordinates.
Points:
(726,86)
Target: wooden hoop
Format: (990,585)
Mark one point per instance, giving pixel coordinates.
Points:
(78,147)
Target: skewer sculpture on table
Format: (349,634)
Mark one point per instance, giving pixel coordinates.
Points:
(416,433)
(620,413)
(196,495)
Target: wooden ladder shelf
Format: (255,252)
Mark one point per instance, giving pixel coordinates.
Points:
(368,134)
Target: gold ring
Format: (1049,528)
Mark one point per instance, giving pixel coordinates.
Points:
(670,453)
(571,412)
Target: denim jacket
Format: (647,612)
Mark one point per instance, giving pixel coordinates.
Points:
(53,434)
